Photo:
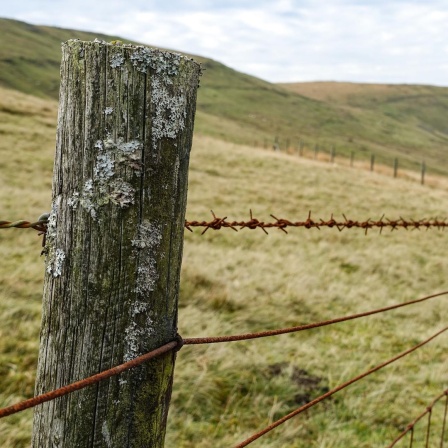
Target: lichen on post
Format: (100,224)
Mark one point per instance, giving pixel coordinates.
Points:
(114,242)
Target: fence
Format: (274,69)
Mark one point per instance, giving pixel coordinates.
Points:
(367,160)
(113,245)
(41,225)
(280,223)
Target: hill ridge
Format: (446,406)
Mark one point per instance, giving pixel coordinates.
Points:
(241,108)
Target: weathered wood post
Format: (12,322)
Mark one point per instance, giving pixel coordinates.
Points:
(423,171)
(333,154)
(114,242)
(276,145)
(395,167)
(300,148)
(372,162)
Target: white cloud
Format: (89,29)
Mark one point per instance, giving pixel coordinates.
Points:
(279,40)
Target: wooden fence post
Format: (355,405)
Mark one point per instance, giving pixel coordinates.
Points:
(372,162)
(395,167)
(333,154)
(114,242)
(422,181)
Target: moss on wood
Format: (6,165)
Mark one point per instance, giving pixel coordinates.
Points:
(114,246)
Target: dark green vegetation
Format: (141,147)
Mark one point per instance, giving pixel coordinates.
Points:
(408,122)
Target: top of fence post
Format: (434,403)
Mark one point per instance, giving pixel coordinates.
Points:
(114,242)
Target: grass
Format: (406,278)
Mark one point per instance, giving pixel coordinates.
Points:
(248,281)
(26,146)
(391,121)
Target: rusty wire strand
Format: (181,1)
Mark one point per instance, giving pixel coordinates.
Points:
(246,336)
(40,225)
(333,391)
(280,223)
(178,343)
(428,410)
(39,399)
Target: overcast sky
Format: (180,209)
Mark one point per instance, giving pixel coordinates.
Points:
(384,41)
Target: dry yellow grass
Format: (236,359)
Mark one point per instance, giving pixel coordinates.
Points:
(247,281)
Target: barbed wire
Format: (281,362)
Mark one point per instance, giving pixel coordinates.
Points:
(333,391)
(282,224)
(428,410)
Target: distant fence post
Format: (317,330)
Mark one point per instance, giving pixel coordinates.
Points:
(395,167)
(114,242)
(316,150)
(276,145)
(423,172)
(301,148)
(372,162)
(333,153)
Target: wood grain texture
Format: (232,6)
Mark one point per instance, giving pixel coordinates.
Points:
(114,242)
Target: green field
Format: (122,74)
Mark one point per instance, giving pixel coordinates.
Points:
(248,281)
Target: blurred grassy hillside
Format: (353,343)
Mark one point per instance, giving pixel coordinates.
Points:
(392,121)
(248,281)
